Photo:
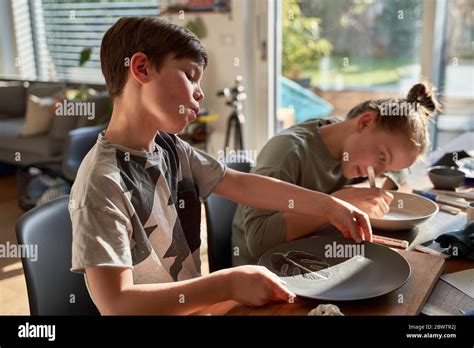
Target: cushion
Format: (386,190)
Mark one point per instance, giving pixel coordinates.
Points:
(39,116)
(30,149)
(11,127)
(61,126)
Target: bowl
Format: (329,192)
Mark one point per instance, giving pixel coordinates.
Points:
(446,178)
(407,210)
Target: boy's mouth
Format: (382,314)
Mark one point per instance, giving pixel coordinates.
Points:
(192,115)
(195,109)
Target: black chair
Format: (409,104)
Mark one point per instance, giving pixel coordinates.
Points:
(78,144)
(52,288)
(219,215)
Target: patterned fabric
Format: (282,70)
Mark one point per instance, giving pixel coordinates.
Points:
(141,210)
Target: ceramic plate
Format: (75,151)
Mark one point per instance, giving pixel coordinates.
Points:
(337,269)
(407,210)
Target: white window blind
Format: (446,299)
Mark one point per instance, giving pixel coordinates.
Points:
(63,28)
(24,60)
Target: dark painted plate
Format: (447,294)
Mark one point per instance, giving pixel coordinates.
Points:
(337,269)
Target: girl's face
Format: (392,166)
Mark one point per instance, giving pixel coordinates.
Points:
(369,145)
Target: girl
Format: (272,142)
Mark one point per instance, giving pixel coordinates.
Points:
(325,154)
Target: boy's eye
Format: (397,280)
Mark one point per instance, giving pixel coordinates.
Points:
(382,157)
(189,77)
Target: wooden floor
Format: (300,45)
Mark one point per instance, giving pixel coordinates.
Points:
(13,294)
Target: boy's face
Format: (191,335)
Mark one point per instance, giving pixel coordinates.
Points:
(171,96)
(372,146)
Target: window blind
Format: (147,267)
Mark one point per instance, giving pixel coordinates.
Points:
(63,28)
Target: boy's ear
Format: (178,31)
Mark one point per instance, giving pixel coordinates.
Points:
(139,65)
(366,120)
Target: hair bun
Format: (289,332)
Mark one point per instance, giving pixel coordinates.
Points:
(423,93)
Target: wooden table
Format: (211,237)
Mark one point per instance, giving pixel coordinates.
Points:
(407,300)
(442,298)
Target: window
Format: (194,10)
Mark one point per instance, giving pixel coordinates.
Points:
(344,52)
(62,29)
(456,71)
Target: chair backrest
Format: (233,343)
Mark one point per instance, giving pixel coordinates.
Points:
(52,288)
(78,144)
(219,215)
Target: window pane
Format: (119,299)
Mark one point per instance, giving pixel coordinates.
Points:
(345,52)
(457,72)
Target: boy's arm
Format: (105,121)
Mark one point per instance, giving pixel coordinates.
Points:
(374,201)
(268,193)
(299,225)
(114,293)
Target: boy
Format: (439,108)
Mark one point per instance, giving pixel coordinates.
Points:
(135,205)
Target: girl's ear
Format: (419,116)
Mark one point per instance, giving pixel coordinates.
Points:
(366,120)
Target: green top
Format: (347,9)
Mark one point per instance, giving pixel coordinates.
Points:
(296,155)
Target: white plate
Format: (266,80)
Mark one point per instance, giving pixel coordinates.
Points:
(407,210)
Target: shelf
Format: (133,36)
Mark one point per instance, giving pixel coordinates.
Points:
(171,8)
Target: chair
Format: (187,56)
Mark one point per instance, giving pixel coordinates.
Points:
(78,144)
(64,169)
(52,288)
(219,215)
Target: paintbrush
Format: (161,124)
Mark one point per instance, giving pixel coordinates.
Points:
(371,172)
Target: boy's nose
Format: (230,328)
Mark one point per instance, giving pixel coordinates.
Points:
(199,95)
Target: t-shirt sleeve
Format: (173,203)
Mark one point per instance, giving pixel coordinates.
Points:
(206,171)
(100,238)
(264,229)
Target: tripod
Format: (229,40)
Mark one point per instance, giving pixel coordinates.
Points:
(235,96)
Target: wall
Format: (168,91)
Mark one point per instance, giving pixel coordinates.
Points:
(231,42)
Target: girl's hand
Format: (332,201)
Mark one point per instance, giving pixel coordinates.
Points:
(373,201)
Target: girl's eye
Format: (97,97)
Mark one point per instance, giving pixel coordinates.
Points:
(382,157)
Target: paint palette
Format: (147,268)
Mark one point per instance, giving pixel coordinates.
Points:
(337,269)
(407,210)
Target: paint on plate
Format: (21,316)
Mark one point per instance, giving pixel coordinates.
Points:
(300,264)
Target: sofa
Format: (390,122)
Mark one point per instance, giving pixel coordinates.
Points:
(50,145)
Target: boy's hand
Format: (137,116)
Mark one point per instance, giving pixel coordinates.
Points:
(256,286)
(352,222)
(373,201)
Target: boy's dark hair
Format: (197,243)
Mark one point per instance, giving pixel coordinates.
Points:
(153,36)
(410,115)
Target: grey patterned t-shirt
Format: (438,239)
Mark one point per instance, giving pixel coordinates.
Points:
(141,210)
